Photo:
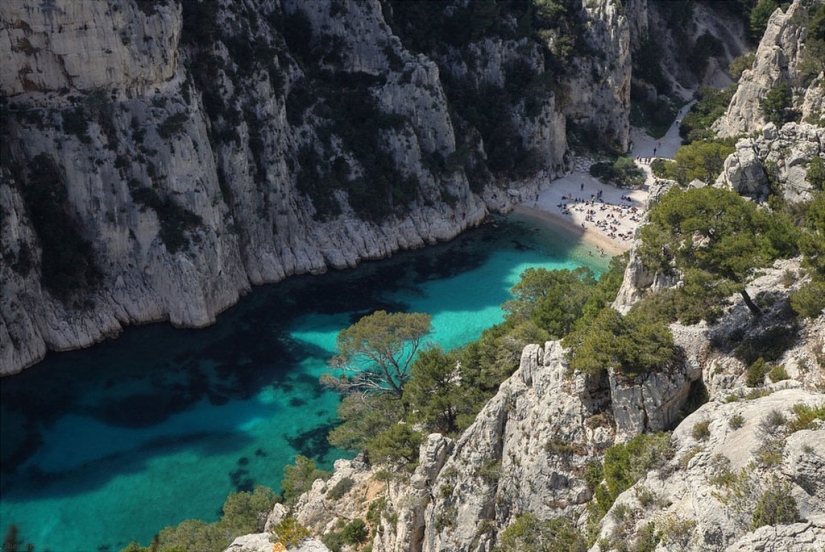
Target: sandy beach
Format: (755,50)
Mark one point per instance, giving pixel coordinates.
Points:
(604,217)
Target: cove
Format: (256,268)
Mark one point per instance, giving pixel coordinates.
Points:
(108,445)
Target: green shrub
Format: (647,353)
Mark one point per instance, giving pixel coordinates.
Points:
(290,533)
(355,532)
(657,167)
(740,64)
(623,172)
(554,299)
(701,430)
(341,488)
(676,532)
(299,478)
(809,300)
(632,345)
(528,533)
(76,122)
(173,125)
(816,173)
(777,373)
(242,513)
(398,444)
(246,512)
(688,456)
(624,464)
(736,421)
(656,117)
(807,417)
(769,453)
(175,221)
(703,160)
(756,373)
(772,423)
(777,105)
(711,103)
(776,506)
(193,534)
(759,16)
(333,540)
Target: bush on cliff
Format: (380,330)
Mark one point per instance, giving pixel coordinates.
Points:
(528,533)
(631,345)
(624,464)
(242,513)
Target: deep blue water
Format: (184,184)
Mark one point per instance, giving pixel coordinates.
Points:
(108,445)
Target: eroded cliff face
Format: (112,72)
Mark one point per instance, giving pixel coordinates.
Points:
(193,149)
(775,62)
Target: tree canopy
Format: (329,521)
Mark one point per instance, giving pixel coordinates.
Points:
(553,299)
(376,352)
(717,232)
(630,345)
(702,160)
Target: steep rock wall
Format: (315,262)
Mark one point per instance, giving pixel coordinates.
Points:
(775,62)
(599,91)
(201,150)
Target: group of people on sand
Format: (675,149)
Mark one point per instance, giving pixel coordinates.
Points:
(609,223)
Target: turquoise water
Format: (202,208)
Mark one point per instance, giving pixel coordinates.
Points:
(108,445)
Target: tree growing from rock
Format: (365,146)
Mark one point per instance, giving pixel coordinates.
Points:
(717,232)
(702,160)
(375,353)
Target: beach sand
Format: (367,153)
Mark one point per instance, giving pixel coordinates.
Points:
(610,223)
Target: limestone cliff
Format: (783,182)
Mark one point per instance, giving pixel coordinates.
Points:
(160,157)
(776,61)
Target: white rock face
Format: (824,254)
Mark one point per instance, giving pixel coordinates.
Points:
(605,102)
(743,172)
(776,61)
(84,45)
(699,512)
(794,537)
(789,150)
(261,542)
(524,453)
(651,402)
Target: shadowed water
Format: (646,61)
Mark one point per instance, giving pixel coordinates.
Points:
(107,445)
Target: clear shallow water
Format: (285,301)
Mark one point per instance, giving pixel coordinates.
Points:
(108,445)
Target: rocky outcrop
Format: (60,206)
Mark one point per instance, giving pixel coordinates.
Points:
(524,453)
(776,62)
(654,401)
(705,497)
(787,152)
(319,509)
(261,542)
(599,92)
(813,104)
(794,537)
